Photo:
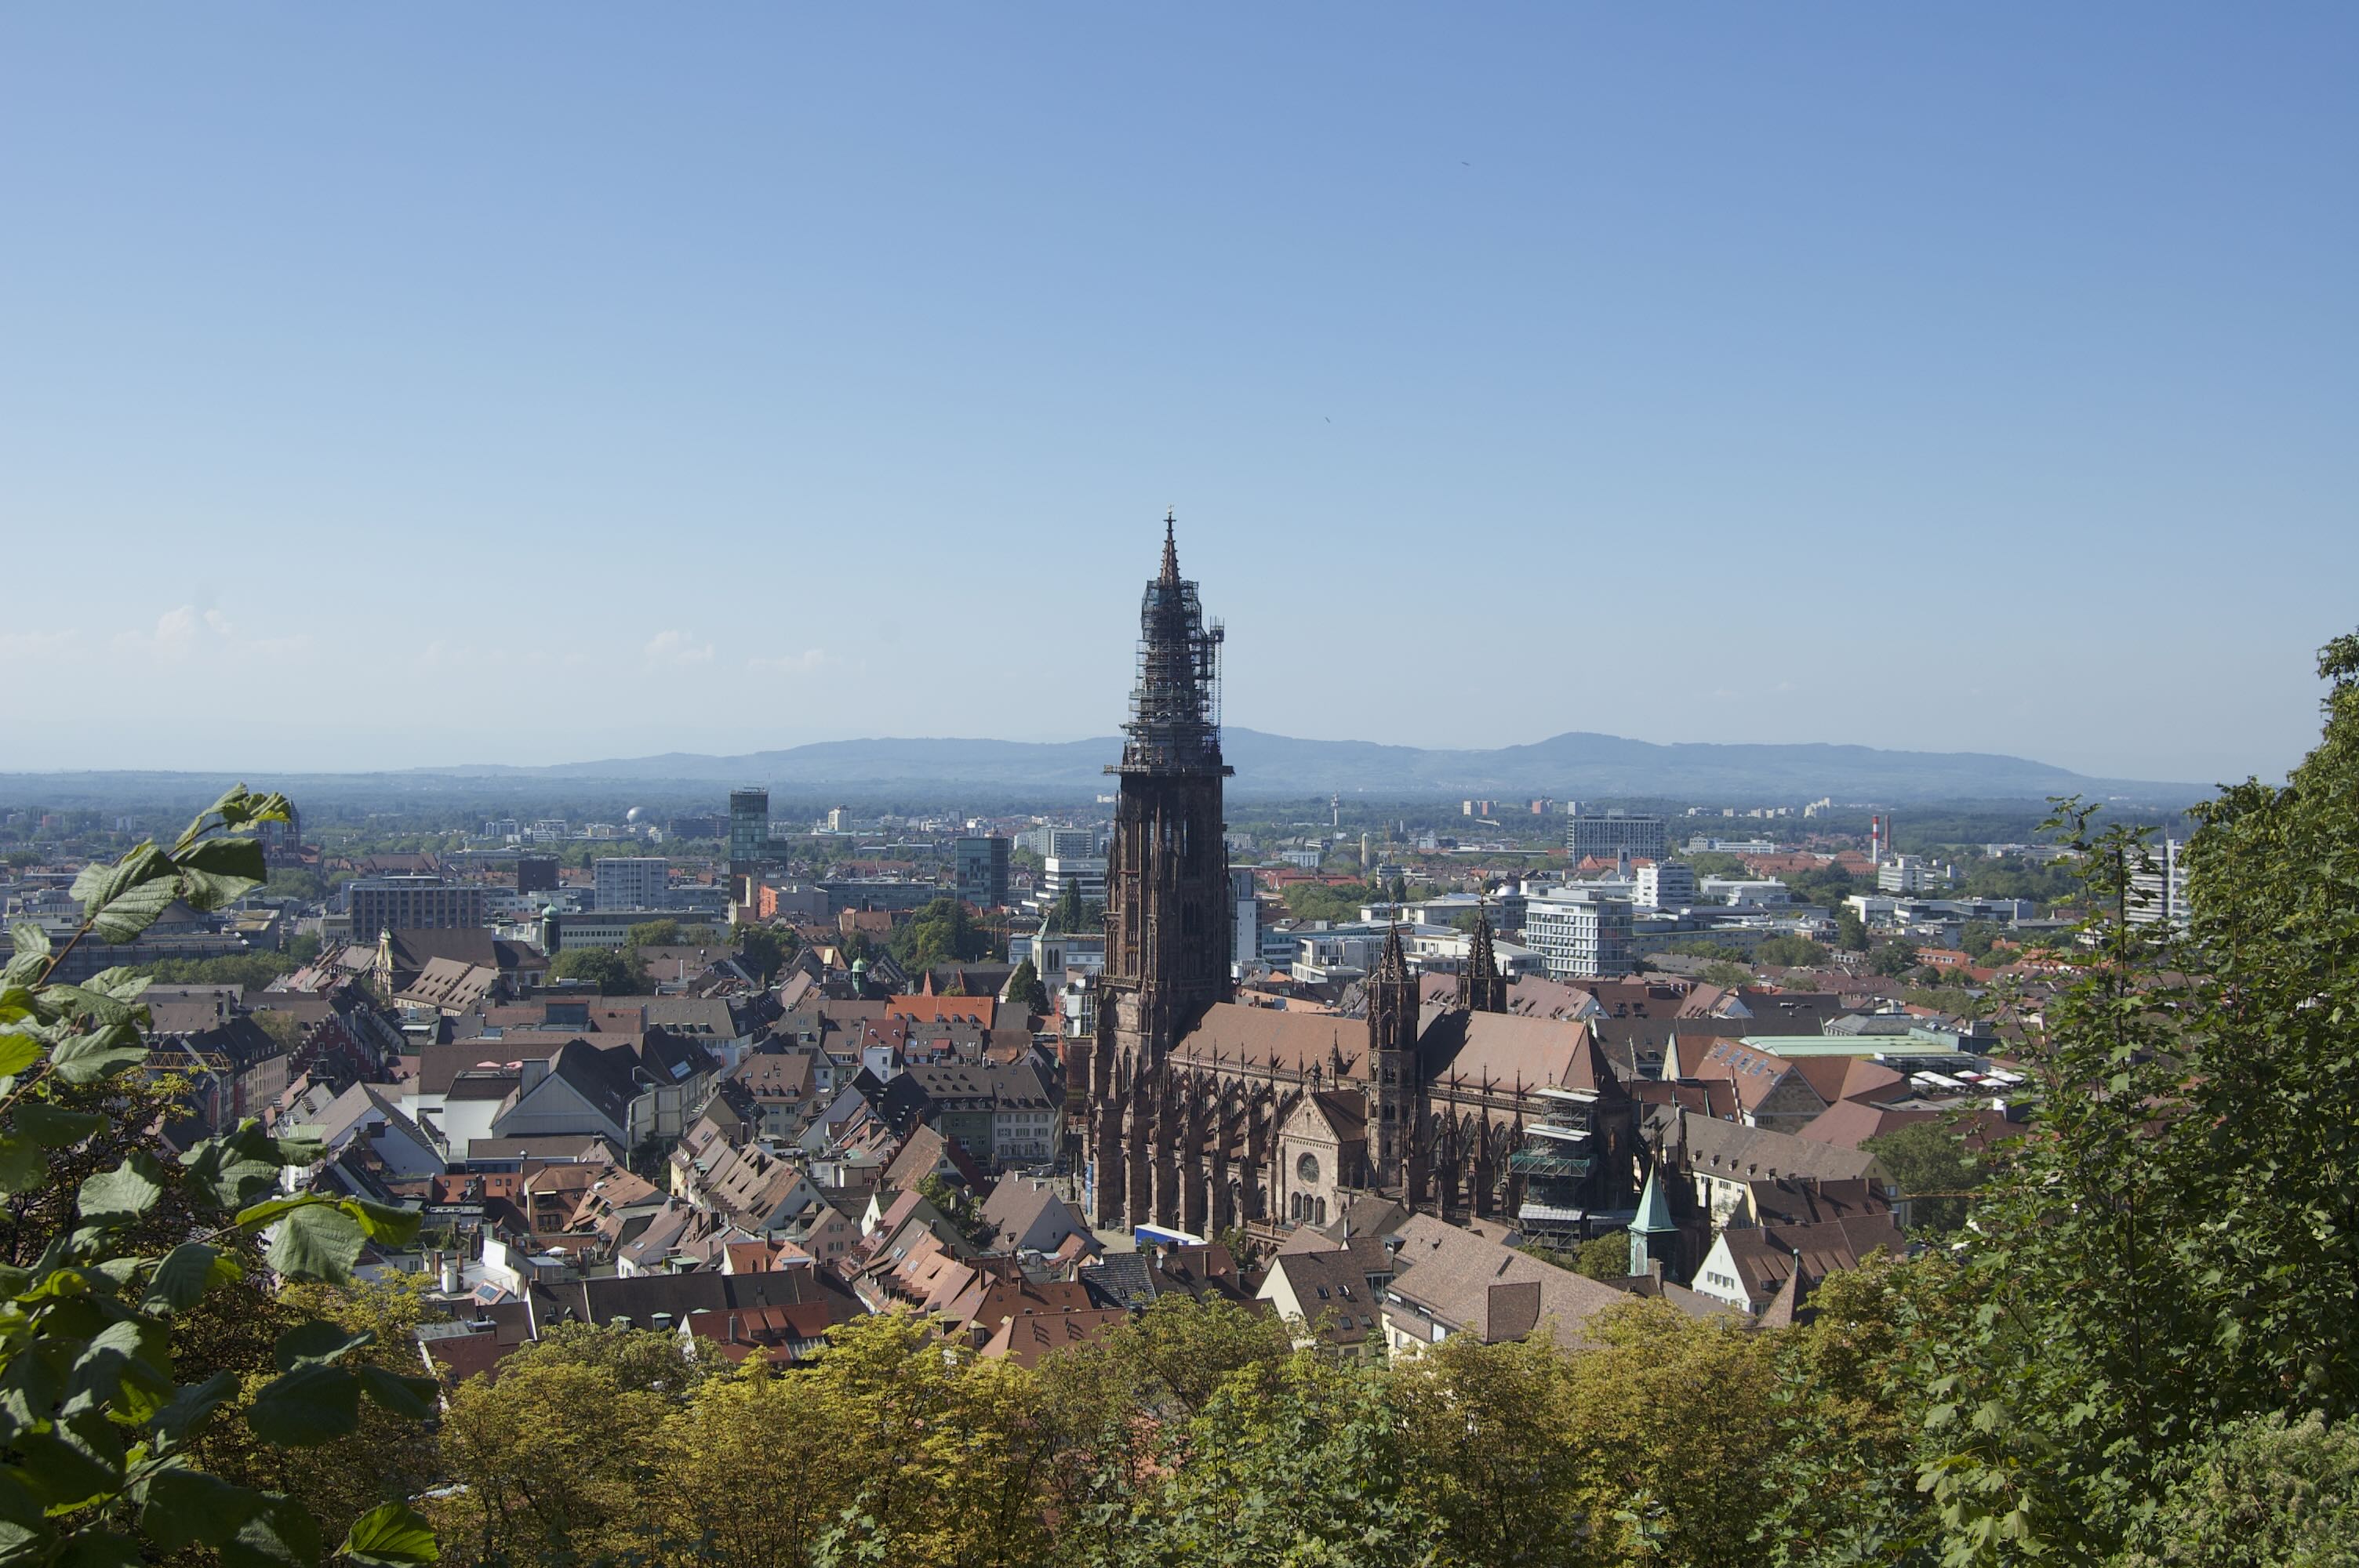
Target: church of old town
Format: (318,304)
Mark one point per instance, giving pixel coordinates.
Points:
(1202,1113)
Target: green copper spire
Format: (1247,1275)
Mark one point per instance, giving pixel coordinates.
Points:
(1654,1219)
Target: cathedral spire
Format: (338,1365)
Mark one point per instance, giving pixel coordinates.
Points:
(1481,987)
(1394,965)
(1175,707)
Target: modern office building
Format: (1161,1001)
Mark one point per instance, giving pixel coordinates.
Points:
(749,830)
(1665,884)
(1610,835)
(1062,842)
(413,904)
(1579,934)
(632,881)
(1087,873)
(981,865)
(2159,891)
(1911,874)
(536,873)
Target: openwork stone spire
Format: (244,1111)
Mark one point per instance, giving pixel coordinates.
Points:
(1175,706)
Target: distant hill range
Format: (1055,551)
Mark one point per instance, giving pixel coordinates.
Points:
(1569,766)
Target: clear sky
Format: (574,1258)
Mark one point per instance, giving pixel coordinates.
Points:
(421,385)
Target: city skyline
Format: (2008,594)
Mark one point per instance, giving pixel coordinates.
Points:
(1856,378)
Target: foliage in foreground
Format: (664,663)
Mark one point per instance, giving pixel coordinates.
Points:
(101,1432)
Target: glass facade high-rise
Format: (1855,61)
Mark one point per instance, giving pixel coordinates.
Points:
(982,868)
(749,830)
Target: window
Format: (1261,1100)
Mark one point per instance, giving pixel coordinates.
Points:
(1307,1168)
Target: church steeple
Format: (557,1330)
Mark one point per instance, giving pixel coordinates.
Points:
(1654,1236)
(1167,912)
(1481,987)
(1392,1060)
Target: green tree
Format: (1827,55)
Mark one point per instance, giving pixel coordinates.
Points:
(1724,972)
(1670,1436)
(764,949)
(1790,953)
(752,1472)
(255,970)
(1307,1466)
(295,883)
(1024,989)
(1892,959)
(551,1461)
(1493,1465)
(1978,937)
(1071,915)
(1851,932)
(1825,886)
(944,931)
(955,1203)
(664,932)
(1606,1256)
(1338,904)
(101,1431)
(613,973)
(2263,1490)
(1928,1157)
(640,1360)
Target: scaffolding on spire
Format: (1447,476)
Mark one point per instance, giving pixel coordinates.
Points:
(1175,705)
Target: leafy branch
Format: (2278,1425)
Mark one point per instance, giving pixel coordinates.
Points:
(98,1433)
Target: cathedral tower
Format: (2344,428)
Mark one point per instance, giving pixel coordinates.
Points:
(1481,987)
(1167,913)
(1392,1060)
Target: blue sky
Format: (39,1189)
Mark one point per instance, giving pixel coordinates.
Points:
(531,383)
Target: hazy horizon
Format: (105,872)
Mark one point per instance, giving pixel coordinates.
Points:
(558,385)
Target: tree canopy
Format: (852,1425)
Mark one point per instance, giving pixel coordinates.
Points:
(613,973)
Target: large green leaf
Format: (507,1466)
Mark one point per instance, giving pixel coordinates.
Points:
(86,1058)
(220,871)
(18,1051)
(82,1002)
(189,1508)
(128,1363)
(22,1165)
(122,983)
(61,1469)
(255,1216)
(98,1549)
(31,953)
(316,1243)
(53,1126)
(309,1406)
(194,1402)
(318,1344)
(128,1191)
(391,1536)
(411,1398)
(233,1170)
(282,1535)
(123,900)
(186,1272)
(238,807)
(383,1222)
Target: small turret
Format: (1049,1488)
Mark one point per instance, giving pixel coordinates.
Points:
(1654,1237)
